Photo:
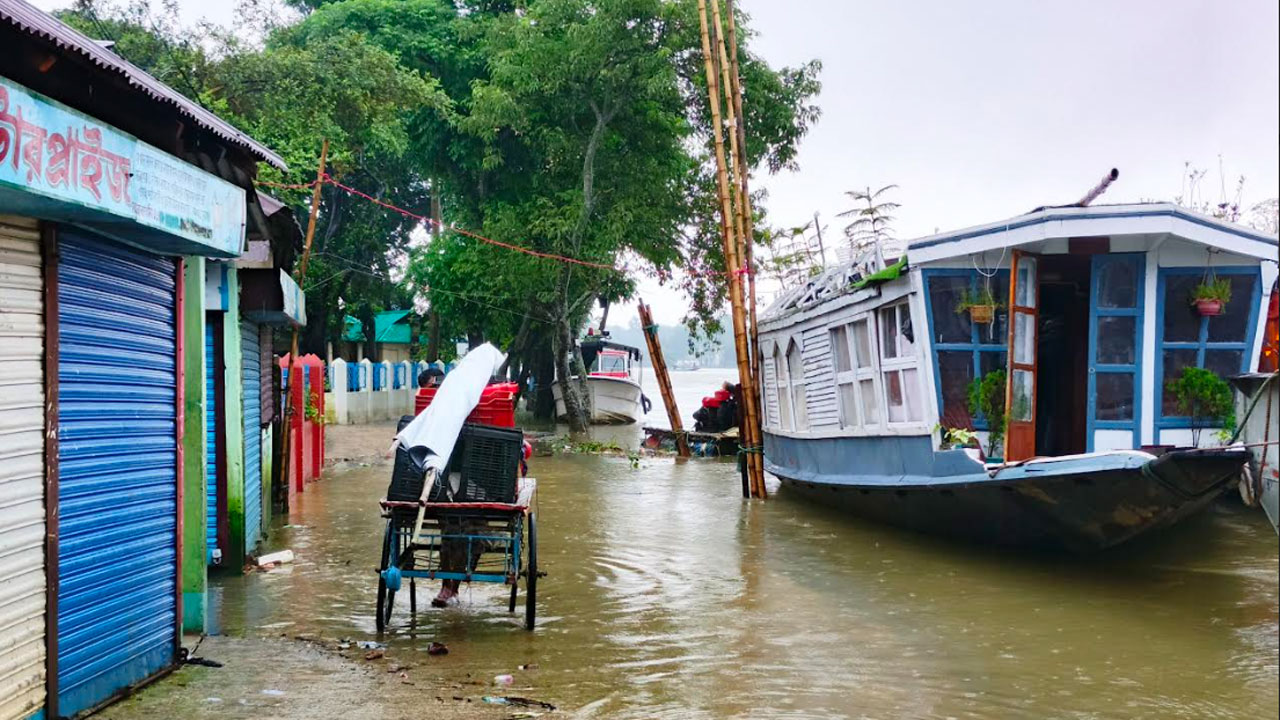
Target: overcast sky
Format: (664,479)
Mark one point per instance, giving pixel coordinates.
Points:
(983,110)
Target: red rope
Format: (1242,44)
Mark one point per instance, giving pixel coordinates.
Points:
(490,241)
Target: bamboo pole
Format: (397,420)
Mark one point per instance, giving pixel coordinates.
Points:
(301,275)
(742,218)
(664,380)
(730,247)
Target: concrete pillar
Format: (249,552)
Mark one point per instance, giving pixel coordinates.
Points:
(341,399)
(233,555)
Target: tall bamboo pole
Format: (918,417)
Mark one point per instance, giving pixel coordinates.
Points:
(750,432)
(301,275)
(659,363)
(742,216)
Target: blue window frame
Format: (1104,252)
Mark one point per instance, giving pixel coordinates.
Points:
(962,349)
(1223,344)
(1116,303)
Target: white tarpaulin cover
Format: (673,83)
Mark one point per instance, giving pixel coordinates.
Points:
(435,431)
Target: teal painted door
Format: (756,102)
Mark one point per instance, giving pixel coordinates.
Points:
(1115,346)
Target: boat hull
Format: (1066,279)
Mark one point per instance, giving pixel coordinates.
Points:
(614,401)
(1079,503)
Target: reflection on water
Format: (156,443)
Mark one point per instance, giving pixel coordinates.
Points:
(668,596)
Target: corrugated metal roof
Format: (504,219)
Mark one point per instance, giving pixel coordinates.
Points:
(37,22)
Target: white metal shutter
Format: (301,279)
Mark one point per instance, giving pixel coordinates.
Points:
(22,516)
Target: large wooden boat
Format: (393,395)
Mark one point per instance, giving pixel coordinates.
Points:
(865,367)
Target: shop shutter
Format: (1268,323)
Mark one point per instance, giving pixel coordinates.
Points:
(211,442)
(117,469)
(267,365)
(22,516)
(252,371)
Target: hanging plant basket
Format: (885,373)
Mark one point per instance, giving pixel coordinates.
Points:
(982,314)
(1208,307)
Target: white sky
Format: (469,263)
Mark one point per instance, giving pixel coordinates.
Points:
(981,111)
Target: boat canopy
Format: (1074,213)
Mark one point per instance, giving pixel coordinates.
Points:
(591,347)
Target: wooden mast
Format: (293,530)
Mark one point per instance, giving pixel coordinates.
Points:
(746,232)
(750,433)
(664,380)
(293,344)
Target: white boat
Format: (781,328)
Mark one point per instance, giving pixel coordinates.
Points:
(613,383)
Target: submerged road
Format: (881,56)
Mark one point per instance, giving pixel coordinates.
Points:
(669,597)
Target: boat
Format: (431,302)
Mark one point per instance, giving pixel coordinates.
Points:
(688,365)
(866,371)
(613,382)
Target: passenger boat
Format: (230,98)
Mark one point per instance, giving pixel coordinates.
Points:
(866,368)
(613,382)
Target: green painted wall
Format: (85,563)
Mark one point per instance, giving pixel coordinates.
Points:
(194,568)
(233,555)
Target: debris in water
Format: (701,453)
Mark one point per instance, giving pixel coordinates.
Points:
(273,693)
(397,668)
(503,679)
(437,648)
(205,662)
(370,645)
(529,666)
(375,654)
(276,558)
(517,702)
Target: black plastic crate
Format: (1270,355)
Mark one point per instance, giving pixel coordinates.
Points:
(489,463)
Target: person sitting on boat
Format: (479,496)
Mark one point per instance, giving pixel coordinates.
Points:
(431,377)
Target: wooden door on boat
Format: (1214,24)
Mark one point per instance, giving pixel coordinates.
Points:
(1020,387)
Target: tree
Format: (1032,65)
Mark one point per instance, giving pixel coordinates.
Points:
(872,222)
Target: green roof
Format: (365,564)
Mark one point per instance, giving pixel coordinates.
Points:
(391,326)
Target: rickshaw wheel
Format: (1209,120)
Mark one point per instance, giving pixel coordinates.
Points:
(386,596)
(515,581)
(531,577)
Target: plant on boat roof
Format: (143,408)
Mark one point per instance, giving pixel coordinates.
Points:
(1212,288)
(986,399)
(1205,398)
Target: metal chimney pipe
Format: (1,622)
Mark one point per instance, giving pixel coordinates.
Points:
(1099,188)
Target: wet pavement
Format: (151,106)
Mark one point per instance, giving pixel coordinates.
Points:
(669,597)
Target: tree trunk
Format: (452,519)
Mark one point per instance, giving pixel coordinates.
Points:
(566,358)
(544,374)
(433,338)
(604,316)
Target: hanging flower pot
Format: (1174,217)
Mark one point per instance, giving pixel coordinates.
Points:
(1208,307)
(981,306)
(1210,297)
(982,314)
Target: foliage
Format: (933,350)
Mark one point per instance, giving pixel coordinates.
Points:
(1216,288)
(1205,398)
(956,437)
(873,219)
(987,399)
(982,297)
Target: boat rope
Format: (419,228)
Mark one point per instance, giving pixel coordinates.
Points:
(745,449)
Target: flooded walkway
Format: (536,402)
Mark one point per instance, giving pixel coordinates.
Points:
(668,596)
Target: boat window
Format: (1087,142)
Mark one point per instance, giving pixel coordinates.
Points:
(783,391)
(840,348)
(1220,343)
(898,365)
(855,374)
(965,350)
(795,373)
(862,344)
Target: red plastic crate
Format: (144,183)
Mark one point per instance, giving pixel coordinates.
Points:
(497,404)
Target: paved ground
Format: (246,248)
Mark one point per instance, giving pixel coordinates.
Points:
(289,679)
(358,443)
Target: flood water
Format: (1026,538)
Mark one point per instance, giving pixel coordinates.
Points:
(668,596)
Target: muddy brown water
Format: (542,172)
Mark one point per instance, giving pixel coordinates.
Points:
(667,596)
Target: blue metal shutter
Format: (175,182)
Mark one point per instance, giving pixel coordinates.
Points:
(117,474)
(211,442)
(251,369)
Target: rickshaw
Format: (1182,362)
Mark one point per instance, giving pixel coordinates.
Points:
(471,522)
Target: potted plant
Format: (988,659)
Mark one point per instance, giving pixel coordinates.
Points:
(1211,296)
(980,305)
(986,399)
(1205,398)
(954,438)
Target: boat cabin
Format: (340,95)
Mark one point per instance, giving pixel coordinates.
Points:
(1079,316)
(605,358)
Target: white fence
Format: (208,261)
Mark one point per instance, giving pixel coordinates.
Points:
(366,392)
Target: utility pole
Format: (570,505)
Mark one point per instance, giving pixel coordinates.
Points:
(301,275)
(817,227)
